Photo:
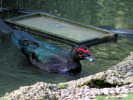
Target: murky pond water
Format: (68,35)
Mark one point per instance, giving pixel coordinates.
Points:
(15,71)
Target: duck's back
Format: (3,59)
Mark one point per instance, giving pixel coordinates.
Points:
(54,49)
(41,51)
(44,55)
(47,60)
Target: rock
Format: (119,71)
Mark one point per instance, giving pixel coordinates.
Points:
(106,91)
(99,93)
(124,95)
(79,93)
(87,98)
(129,74)
(113,92)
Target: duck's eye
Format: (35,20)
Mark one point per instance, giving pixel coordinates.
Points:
(80,51)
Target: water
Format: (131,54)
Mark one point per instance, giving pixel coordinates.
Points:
(15,71)
(115,13)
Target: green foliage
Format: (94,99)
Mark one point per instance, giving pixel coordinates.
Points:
(62,86)
(105,98)
(129,97)
(3,98)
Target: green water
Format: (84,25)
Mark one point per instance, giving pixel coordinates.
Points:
(15,71)
(115,13)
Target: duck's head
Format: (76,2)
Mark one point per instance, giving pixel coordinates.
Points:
(80,52)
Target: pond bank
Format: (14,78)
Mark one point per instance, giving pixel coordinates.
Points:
(116,81)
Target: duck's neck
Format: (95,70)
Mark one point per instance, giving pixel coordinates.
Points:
(74,65)
(71,59)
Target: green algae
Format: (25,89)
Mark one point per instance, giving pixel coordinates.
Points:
(62,85)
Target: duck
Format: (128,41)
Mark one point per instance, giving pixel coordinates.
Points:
(49,57)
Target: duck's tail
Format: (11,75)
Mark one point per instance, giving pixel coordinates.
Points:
(21,38)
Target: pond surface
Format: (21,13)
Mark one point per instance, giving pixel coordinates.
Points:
(15,71)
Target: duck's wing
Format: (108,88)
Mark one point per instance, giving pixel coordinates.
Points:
(53,49)
(48,57)
(22,39)
(55,67)
(43,55)
(48,61)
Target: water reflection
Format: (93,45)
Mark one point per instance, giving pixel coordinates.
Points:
(115,13)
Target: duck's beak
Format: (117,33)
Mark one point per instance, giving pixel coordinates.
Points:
(89,58)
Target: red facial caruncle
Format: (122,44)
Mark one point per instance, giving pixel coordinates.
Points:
(84,51)
(80,55)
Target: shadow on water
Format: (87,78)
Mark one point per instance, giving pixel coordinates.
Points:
(16,71)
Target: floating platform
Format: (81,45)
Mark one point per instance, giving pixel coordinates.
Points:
(60,29)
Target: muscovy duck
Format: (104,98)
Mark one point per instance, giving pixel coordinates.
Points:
(48,57)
